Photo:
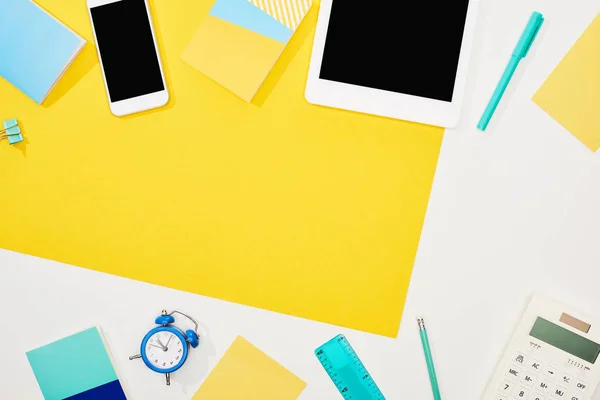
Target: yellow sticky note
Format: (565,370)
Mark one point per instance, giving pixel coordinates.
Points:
(245,372)
(571,95)
(240,41)
(278,204)
(238,60)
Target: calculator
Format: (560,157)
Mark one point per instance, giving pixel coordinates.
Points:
(553,355)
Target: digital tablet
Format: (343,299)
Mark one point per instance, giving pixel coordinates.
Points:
(400,59)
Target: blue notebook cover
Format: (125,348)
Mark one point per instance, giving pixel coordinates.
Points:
(78,367)
(35,48)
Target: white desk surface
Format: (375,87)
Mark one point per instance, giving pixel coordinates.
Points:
(513,211)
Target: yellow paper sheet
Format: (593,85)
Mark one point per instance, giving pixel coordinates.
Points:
(571,95)
(278,204)
(245,372)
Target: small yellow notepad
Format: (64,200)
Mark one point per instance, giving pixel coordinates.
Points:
(245,372)
(571,95)
(240,40)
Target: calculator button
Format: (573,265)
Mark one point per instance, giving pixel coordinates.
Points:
(521,393)
(575,397)
(505,387)
(581,386)
(558,392)
(566,380)
(543,386)
(535,366)
(536,396)
(551,372)
(520,359)
(528,378)
(514,372)
(501,397)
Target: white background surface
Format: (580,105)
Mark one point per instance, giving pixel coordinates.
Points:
(513,211)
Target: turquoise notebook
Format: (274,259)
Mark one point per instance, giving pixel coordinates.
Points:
(35,48)
(77,367)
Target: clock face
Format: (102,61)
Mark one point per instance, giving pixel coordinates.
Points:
(165,350)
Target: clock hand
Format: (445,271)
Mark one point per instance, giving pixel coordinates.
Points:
(155,346)
(169,341)
(163,346)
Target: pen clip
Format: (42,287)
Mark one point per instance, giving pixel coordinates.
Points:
(533,36)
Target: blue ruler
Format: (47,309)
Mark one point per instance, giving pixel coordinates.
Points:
(347,372)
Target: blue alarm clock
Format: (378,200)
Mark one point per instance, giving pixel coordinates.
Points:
(165,348)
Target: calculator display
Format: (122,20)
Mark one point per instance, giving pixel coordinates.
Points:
(565,340)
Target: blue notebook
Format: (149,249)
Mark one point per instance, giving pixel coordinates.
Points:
(78,367)
(35,48)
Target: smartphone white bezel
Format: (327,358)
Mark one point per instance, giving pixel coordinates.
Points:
(385,103)
(134,104)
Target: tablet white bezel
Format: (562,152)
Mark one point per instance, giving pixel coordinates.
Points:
(382,102)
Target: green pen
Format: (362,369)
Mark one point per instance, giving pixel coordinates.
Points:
(429,359)
(527,38)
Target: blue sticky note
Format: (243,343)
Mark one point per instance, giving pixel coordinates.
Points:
(35,48)
(72,366)
(248,16)
(13,131)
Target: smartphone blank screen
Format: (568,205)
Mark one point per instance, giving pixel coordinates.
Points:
(403,46)
(126,45)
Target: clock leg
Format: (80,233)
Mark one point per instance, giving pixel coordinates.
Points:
(168,376)
(136,356)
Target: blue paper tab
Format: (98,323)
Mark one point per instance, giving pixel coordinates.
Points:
(247,15)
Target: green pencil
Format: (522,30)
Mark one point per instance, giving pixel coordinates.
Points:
(429,359)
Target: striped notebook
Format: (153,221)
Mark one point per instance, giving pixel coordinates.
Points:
(240,41)
(289,13)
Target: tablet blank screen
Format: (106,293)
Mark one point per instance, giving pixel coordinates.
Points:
(402,46)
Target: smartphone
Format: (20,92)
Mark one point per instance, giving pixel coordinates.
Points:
(128,52)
